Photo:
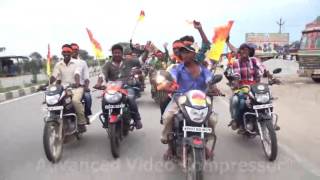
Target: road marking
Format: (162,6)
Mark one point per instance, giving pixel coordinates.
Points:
(95,116)
(17,99)
(304,162)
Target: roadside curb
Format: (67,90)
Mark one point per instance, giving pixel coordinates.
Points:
(30,90)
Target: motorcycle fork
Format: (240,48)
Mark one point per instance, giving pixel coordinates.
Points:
(184,148)
(259,125)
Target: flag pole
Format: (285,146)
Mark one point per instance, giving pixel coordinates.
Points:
(134,30)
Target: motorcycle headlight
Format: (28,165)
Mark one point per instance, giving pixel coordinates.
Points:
(197,115)
(113,98)
(262,98)
(52,100)
(136,76)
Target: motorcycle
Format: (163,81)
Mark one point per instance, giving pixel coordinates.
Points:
(188,138)
(60,122)
(258,118)
(115,116)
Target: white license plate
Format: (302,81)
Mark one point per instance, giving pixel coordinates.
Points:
(197,129)
(55,108)
(264,106)
(109,106)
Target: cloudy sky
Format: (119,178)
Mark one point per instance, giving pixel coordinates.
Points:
(29,25)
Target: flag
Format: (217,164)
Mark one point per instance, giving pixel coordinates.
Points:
(48,61)
(218,41)
(141,17)
(96,46)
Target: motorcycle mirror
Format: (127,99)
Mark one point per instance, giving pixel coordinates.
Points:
(277,71)
(216,78)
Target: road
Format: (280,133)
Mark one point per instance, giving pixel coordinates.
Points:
(236,157)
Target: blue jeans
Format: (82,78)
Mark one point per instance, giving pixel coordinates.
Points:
(237,106)
(88,103)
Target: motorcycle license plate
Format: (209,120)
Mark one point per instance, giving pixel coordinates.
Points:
(109,106)
(55,108)
(264,106)
(197,129)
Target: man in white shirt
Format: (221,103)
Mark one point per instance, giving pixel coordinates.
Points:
(67,72)
(84,78)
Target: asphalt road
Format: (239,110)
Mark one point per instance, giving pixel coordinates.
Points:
(236,157)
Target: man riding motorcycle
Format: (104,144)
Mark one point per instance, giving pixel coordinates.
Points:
(84,78)
(67,72)
(246,71)
(119,69)
(188,75)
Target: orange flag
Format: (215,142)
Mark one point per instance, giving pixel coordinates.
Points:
(218,41)
(141,16)
(48,61)
(96,46)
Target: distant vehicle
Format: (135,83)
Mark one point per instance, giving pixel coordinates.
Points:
(293,50)
(268,45)
(309,52)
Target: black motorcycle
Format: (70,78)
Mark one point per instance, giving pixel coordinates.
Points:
(188,138)
(259,118)
(60,122)
(115,116)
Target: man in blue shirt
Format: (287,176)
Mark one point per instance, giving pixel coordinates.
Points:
(189,75)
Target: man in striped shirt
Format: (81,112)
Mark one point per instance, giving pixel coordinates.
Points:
(248,71)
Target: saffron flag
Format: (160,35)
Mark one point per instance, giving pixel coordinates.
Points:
(96,46)
(141,17)
(48,61)
(218,41)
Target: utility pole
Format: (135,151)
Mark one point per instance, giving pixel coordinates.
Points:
(280,23)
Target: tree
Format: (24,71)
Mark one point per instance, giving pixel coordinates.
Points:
(36,56)
(83,54)
(54,59)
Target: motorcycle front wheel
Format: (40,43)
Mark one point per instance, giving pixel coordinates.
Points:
(269,143)
(114,140)
(52,141)
(195,163)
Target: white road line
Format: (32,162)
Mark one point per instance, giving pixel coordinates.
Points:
(304,162)
(95,116)
(17,99)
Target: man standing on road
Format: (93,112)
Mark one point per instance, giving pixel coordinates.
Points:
(84,78)
(67,72)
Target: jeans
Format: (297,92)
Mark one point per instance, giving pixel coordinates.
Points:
(237,106)
(133,105)
(88,103)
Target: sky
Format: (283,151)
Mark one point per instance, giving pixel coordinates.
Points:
(27,26)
